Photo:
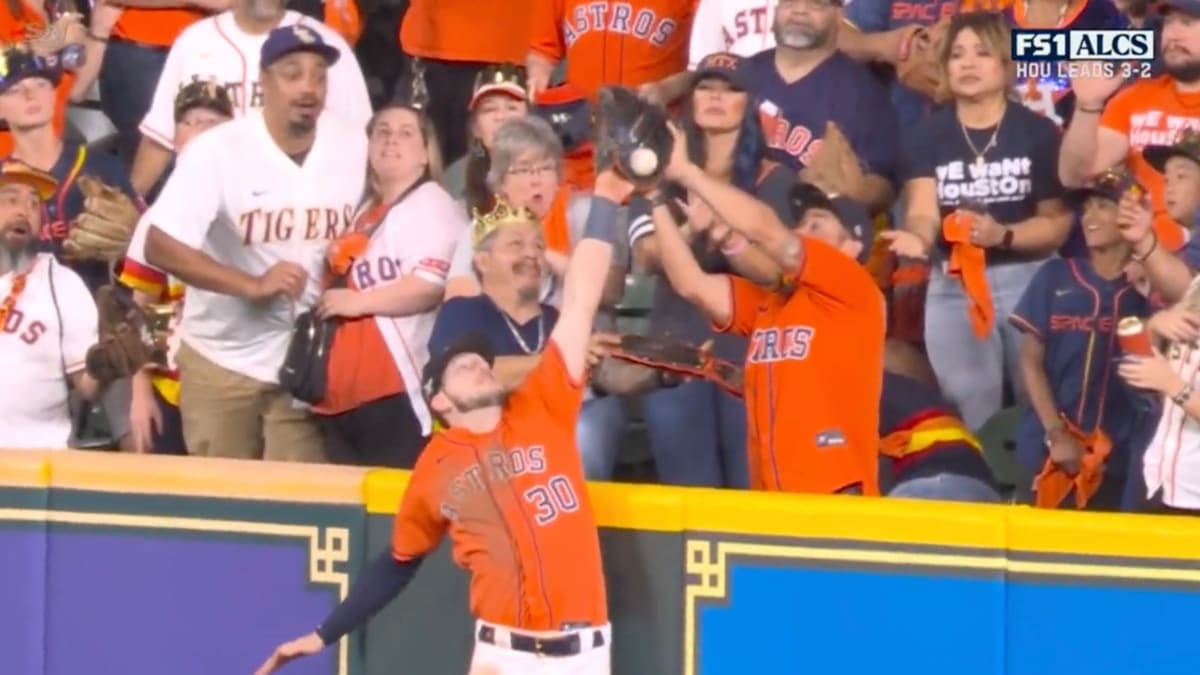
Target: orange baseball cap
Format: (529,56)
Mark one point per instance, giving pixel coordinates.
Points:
(42,183)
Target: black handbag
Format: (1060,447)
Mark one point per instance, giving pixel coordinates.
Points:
(305,369)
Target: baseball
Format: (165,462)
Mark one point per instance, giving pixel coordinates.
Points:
(643,161)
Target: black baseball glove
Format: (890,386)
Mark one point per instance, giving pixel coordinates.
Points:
(632,136)
(681,358)
(124,347)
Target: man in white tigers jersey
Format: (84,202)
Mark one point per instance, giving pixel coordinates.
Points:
(244,221)
(224,49)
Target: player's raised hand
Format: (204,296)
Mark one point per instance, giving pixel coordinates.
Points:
(283,278)
(1175,324)
(1092,92)
(290,651)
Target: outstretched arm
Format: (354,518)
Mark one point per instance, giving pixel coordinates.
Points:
(587,272)
(708,292)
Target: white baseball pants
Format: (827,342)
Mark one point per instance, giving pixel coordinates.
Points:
(499,659)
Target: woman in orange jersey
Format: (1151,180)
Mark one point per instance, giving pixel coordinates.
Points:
(984,201)
(154,419)
(386,280)
(499,95)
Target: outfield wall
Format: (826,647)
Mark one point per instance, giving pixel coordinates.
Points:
(150,565)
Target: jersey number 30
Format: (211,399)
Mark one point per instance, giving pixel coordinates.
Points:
(554,497)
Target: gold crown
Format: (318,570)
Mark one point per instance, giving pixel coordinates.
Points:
(504,73)
(501,215)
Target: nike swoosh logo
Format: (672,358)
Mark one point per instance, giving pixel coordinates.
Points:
(1061,292)
(257,193)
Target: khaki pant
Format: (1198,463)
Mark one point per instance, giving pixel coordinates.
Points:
(226,414)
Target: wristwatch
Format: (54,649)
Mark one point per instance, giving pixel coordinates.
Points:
(1007,242)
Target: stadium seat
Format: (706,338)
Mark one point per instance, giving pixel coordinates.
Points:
(998,438)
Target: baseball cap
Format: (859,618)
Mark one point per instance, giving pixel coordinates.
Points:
(18,64)
(567,110)
(435,369)
(203,94)
(1112,184)
(1187,144)
(296,38)
(853,216)
(727,66)
(1186,6)
(42,183)
(504,78)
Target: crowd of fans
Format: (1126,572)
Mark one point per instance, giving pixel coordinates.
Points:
(1016,225)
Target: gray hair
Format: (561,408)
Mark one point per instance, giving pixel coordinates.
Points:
(520,135)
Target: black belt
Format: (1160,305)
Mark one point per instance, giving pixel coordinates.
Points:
(565,645)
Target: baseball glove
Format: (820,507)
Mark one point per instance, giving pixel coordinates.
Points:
(632,136)
(123,348)
(918,67)
(834,168)
(103,230)
(679,357)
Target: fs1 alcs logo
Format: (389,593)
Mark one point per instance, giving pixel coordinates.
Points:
(1043,54)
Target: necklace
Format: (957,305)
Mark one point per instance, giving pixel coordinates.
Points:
(979,154)
(541,326)
(10,302)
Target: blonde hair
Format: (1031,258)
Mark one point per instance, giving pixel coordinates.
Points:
(992,30)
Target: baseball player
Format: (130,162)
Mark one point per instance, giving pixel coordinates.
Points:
(154,412)
(48,320)
(224,49)
(506,482)
(1068,315)
(742,27)
(246,231)
(816,343)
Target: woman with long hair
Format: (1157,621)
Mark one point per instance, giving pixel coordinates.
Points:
(499,95)
(384,283)
(983,201)
(697,432)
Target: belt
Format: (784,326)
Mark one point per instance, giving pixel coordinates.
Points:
(564,645)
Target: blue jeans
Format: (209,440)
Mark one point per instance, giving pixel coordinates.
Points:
(972,372)
(128,77)
(598,433)
(947,487)
(697,435)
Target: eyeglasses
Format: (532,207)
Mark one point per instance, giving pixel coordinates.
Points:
(531,170)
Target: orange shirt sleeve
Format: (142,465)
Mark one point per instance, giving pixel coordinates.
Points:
(836,276)
(744,300)
(545,30)
(419,524)
(1117,111)
(550,387)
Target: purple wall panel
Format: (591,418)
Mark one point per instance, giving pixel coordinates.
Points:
(22,598)
(148,603)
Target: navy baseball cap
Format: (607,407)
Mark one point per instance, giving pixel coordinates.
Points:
(296,38)
(853,216)
(726,66)
(1112,185)
(1186,6)
(435,369)
(19,64)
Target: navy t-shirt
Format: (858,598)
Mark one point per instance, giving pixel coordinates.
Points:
(1074,312)
(66,205)
(478,314)
(838,90)
(1020,170)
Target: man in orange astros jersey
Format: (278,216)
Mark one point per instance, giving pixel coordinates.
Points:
(641,44)
(814,368)
(505,481)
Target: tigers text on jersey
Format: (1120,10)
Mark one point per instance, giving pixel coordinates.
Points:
(235,195)
(215,49)
(46,336)
(742,27)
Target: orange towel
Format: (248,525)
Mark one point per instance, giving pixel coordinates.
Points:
(344,18)
(1053,486)
(554,226)
(968,262)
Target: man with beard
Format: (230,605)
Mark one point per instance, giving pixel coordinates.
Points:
(505,482)
(1106,132)
(243,222)
(224,49)
(47,320)
(805,82)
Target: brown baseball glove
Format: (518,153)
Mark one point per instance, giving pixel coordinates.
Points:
(918,67)
(679,357)
(834,168)
(123,348)
(103,230)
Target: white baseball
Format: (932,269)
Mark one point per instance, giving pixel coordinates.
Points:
(643,161)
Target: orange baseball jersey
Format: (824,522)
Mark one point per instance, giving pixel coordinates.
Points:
(813,375)
(629,43)
(1153,112)
(154,27)
(516,507)
(467,30)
